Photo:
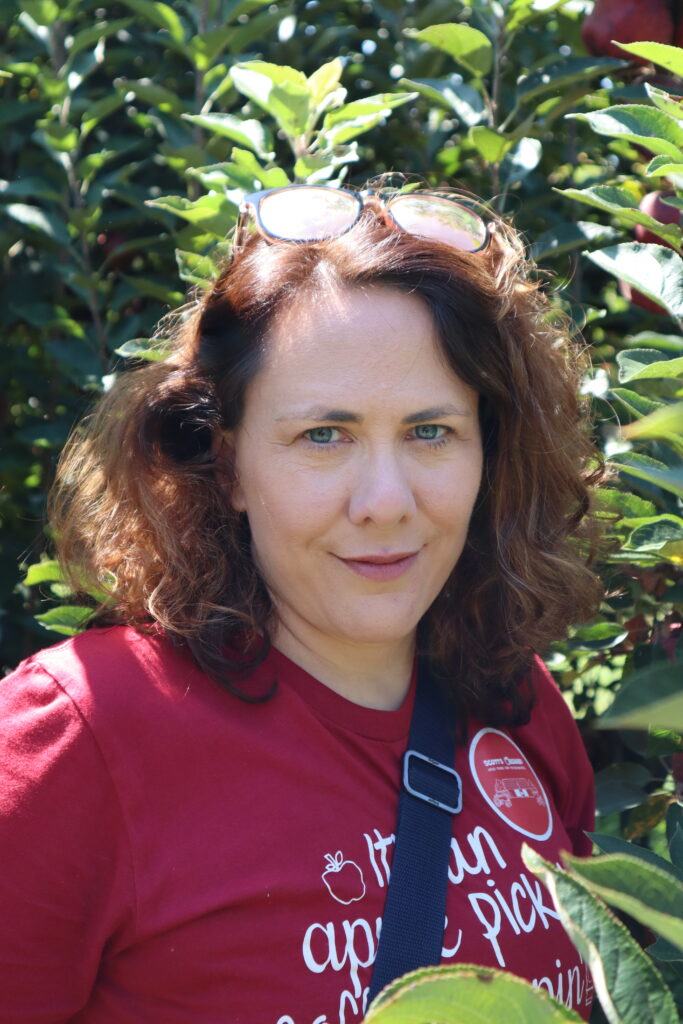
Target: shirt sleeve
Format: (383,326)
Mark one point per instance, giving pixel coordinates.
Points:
(66,886)
(571,774)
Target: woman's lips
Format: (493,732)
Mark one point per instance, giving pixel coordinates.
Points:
(381,567)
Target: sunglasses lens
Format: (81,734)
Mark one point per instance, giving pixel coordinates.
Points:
(440,219)
(308,214)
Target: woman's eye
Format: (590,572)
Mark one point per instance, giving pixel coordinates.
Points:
(322,435)
(429,432)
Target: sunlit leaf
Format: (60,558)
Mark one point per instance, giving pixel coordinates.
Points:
(620,203)
(38,220)
(43,572)
(661,423)
(629,987)
(492,145)
(467,45)
(638,123)
(281,91)
(653,269)
(67,619)
(465,994)
(246,132)
(653,896)
(162,15)
(669,57)
(647,364)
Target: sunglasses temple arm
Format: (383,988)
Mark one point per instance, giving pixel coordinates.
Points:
(239,239)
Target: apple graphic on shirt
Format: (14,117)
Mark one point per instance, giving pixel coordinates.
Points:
(343,878)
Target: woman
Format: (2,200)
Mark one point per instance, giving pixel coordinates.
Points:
(364,444)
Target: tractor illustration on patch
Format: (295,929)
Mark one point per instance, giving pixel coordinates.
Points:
(507,790)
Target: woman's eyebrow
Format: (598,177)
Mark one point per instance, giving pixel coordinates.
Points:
(436,412)
(321,414)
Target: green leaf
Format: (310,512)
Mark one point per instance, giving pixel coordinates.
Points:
(653,269)
(620,203)
(465,994)
(646,126)
(621,786)
(197,270)
(629,986)
(161,15)
(666,422)
(152,350)
(468,46)
(569,236)
(87,37)
(346,123)
(623,502)
(614,844)
(560,74)
(67,619)
(598,636)
(325,80)
(491,144)
(665,101)
(520,161)
(249,133)
(46,223)
(452,94)
(669,57)
(97,111)
(644,468)
(647,364)
(655,339)
(652,696)
(660,166)
(654,897)
(640,405)
(520,12)
(156,95)
(43,12)
(206,48)
(213,213)
(43,572)
(281,91)
(154,289)
(653,532)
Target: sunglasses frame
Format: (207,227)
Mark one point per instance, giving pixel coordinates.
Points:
(251,203)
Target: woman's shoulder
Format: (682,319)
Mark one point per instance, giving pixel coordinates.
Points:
(101,666)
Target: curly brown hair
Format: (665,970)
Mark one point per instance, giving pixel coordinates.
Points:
(139,508)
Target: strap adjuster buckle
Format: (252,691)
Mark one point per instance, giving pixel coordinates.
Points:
(438,783)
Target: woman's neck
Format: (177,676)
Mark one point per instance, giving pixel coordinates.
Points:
(372,675)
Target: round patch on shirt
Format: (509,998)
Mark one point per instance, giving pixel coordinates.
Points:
(509,784)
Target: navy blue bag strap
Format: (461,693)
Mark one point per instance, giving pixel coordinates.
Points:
(431,793)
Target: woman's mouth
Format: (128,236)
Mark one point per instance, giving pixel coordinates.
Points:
(382,567)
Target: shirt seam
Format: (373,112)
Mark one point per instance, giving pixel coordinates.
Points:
(121,807)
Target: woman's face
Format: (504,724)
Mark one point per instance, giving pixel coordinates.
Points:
(357,462)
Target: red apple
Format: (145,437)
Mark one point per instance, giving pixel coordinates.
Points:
(653,205)
(626,21)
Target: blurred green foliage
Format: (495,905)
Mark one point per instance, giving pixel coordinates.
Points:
(130,132)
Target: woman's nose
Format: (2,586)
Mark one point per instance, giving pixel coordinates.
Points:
(382,491)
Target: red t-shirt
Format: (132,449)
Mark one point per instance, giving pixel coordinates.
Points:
(171,853)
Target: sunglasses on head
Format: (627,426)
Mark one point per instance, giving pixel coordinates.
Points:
(314,213)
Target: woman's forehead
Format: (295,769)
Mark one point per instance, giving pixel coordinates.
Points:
(354,348)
